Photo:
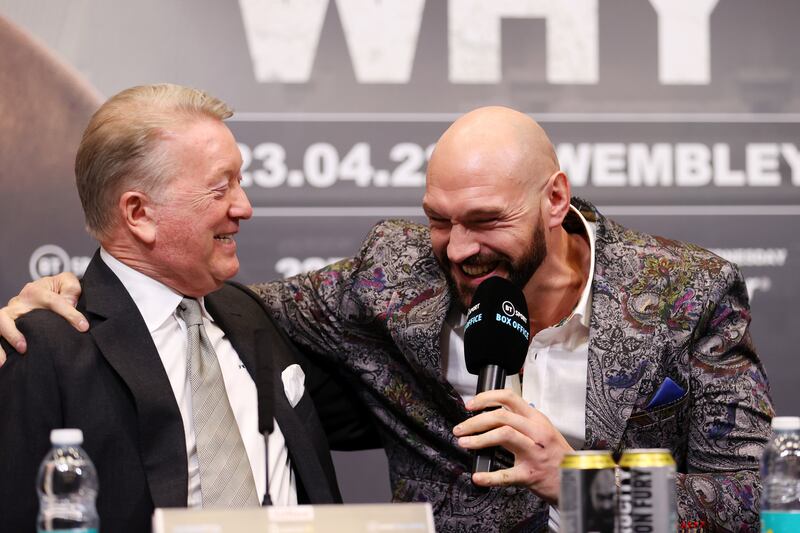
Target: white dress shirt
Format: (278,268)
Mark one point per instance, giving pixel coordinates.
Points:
(555,369)
(157,304)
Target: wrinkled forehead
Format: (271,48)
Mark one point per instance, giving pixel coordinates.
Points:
(473,192)
(492,144)
(455,166)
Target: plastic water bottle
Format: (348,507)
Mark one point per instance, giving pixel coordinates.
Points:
(67,486)
(780,477)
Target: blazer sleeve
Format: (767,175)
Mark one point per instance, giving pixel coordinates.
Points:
(330,310)
(315,309)
(730,417)
(347,422)
(29,409)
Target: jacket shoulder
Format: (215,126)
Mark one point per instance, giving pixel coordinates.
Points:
(52,341)
(45,329)
(675,253)
(397,227)
(682,276)
(236,296)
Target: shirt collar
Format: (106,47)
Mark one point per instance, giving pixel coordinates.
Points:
(583,310)
(156,302)
(456,318)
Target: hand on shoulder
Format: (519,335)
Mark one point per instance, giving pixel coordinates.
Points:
(56,293)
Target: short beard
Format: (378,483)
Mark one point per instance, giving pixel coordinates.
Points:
(519,272)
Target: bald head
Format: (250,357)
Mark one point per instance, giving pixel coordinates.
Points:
(505,143)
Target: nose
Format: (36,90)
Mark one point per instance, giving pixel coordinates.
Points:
(240,205)
(462,244)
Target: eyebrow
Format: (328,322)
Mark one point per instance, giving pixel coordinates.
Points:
(477,213)
(483,212)
(429,211)
(227,173)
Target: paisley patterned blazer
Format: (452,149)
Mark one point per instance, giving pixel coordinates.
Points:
(660,308)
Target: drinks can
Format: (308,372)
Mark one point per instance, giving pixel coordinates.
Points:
(646,501)
(588,492)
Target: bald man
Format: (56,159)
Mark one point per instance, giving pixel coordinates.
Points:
(638,341)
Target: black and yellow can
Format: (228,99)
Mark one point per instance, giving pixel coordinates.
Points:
(588,494)
(646,501)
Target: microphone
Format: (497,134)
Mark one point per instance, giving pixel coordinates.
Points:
(264,379)
(496,338)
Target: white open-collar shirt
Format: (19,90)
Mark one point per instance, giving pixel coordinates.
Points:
(157,304)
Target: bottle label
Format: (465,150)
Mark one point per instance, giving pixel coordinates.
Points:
(74,530)
(780,521)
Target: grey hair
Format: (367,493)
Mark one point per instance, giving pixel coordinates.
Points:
(120,151)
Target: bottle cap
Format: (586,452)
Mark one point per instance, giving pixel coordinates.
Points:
(66,437)
(786,423)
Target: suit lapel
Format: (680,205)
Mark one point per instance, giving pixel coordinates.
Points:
(124,341)
(265,354)
(304,453)
(622,355)
(305,439)
(239,330)
(246,335)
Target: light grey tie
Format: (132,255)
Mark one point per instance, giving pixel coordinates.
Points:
(226,479)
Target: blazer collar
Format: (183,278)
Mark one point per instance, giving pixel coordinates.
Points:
(224,306)
(124,341)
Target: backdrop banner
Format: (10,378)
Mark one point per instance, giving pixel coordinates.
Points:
(676,117)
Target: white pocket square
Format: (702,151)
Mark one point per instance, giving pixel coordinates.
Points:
(293,379)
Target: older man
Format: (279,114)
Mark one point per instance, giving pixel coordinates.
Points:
(638,341)
(173,384)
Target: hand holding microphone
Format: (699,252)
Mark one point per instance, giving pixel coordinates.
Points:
(496,337)
(494,346)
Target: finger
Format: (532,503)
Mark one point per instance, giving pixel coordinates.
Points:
(64,307)
(502,397)
(2,356)
(9,331)
(500,478)
(532,424)
(545,484)
(489,420)
(68,286)
(505,436)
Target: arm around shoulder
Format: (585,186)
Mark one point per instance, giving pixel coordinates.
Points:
(319,309)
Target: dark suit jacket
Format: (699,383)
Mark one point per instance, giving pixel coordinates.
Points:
(110,383)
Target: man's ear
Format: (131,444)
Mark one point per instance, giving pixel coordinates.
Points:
(557,195)
(138,215)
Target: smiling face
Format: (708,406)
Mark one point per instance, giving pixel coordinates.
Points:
(483,201)
(481,227)
(198,213)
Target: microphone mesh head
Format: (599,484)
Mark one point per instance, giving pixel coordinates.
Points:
(497,330)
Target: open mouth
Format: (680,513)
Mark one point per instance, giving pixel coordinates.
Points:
(226,238)
(476,271)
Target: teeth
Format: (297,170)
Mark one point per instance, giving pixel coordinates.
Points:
(226,237)
(478,270)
